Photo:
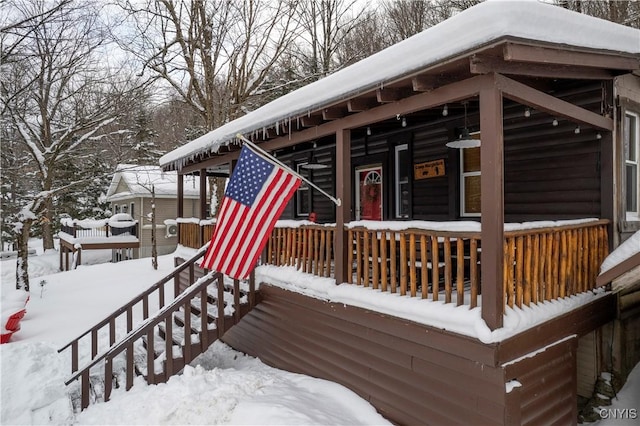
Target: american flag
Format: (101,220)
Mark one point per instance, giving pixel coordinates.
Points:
(256,195)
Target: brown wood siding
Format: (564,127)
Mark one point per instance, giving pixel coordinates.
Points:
(548,379)
(432,199)
(412,374)
(550,172)
(587,363)
(324,208)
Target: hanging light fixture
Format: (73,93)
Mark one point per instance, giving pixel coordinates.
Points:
(465,140)
(313,163)
(445,110)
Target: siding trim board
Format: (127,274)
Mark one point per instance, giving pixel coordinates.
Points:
(416,374)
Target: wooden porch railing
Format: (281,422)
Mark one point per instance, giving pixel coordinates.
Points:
(103,334)
(308,248)
(418,263)
(162,343)
(194,235)
(550,263)
(107,231)
(539,264)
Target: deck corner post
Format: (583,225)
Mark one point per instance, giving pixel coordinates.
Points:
(180,212)
(492,205)
(343,211)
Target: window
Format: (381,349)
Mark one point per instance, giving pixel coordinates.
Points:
(116,208)
(125,208)
(401,181)
(631,140)
(470,182)
(132,211)
(303,195)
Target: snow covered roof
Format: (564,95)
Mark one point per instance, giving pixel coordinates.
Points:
(471,29)
(138,180)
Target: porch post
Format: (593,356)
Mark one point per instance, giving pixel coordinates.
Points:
(343,212)
(203,193)
(492,205)
(607,196)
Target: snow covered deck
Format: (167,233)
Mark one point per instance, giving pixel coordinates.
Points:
(118,232)
(441,261)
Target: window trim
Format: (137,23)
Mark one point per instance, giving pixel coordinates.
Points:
(632,215)
(397,183)
(463,175)
(302,191)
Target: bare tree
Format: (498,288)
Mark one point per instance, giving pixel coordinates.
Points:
(369,36)
(56,99)
(215,55)
(624,12)
(326,24)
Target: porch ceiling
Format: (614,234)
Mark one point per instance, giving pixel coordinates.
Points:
(376,100)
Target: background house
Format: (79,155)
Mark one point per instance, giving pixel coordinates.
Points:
(130,192)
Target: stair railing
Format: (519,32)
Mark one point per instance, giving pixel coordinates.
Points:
(147,328)
(128,309)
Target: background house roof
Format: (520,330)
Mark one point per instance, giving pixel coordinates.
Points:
(139,180)
(476,27)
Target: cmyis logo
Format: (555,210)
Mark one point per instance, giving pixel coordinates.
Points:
(619,413)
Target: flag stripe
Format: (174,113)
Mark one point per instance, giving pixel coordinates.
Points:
(261,226)
(254,200)
(285,195)
(267,216)
(253,221)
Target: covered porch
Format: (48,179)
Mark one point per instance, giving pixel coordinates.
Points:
(480,258)
(542,112)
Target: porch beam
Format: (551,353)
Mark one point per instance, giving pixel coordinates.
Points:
(545,55)
(343,211)
(445,94)
(424,83)
(483,64)
(334,113)
(492,206)
(311,121)
(359,104)
(526,95)
(387,95)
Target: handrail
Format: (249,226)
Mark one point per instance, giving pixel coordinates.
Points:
(161,315)
(140,297)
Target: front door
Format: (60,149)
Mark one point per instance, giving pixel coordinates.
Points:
(369,193)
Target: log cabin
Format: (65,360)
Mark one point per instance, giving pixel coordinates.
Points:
(552,99)
(486,167)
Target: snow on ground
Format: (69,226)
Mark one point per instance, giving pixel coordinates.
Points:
(625,407)
(221,386)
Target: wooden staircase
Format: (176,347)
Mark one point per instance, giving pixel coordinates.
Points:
(204,306)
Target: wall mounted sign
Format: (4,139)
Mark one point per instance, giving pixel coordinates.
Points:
(430,169)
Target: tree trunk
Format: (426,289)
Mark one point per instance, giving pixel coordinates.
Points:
(47,225)
(22,261)
(218,187)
